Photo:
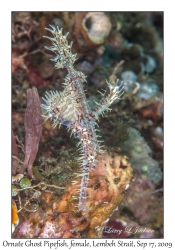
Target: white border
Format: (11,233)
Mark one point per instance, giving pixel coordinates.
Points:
(5,94)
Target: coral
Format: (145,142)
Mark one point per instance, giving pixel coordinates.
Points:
(154,110)
(128,76)
(150,65)
(78,30)
(139,154)
(70,108)
(22,25)
(152,169)
(147,90)
(97,26)
(57,215)
(131,51)
(33,128)
(136,60)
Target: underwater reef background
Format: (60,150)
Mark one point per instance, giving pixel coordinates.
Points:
(132,131)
